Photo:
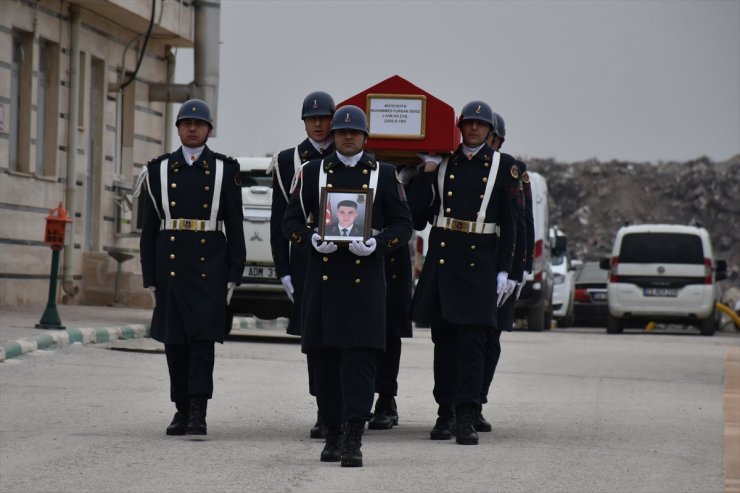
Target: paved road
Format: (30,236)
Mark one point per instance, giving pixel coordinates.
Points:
(575,411)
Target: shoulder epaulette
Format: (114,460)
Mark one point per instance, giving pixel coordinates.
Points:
(225,158)
(158,159)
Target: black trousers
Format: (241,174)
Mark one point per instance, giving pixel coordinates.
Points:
(191,369)
(492,355)
(459,354)
(389,362)
(311,364)
(345,384)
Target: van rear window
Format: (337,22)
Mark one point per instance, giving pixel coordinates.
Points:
(665,248)
(255,178)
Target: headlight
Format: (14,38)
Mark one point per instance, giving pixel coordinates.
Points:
(558,278)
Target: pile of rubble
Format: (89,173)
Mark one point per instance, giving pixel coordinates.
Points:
(590,200)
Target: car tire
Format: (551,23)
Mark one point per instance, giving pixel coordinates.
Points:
(536,319)
(614,325)
(708,326)
(567,320)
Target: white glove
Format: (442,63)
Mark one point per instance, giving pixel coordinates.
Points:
(434,158)
(363,249)
(288,286)
(325,247)
(151,293)
(501,279)
(521,284)
(510,288)
(229,291)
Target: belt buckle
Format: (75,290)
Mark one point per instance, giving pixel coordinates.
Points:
(187,224)
(459,225)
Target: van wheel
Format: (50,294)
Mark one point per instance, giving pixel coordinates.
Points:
(708,326)
(614,325)
(536,319)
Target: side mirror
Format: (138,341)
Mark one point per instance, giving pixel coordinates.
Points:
(720,271)
(605,263)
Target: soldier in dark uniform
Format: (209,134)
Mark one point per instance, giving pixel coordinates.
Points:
(467,199)
(192,256)
(397,325)
(517,275)
(343,312)
(290,263)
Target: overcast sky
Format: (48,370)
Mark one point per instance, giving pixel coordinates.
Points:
(574,80)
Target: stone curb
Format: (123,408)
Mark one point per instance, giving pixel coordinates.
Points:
(86,335)
(71,335)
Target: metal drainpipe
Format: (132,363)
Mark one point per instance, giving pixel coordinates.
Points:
(206,53)
(171,61)
(72,123)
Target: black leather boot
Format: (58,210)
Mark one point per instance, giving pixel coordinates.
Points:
(351,454)
(333,446)
(464,431)
(197,419)
(479,422)
(385,416)
(445,422)
(180,421)
(318,430)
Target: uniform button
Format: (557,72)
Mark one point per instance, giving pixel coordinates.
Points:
(364,171)
(177,170)
(393,276)
(452,177)
(357,281)
(472,247)
(485,179)
(174,185)
(364,186)
(172,256)
(448,210)
(481,197)
(205,206)
(172,238)
(172,204)
(449,194)
(207,188)
(331,171)
(393,259)
(472,264)
(203,275)
(208,172)
(202,259)
(203,241)
(172,274)
(441,261)
(328,185)
(443,244)
(325,278)
(486,164)
(325,259)
(357,261)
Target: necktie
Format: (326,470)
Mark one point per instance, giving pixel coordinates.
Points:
(344,232)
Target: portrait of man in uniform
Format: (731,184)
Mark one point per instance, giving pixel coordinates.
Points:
(347,222)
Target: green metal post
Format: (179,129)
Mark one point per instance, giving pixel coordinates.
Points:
(51,318)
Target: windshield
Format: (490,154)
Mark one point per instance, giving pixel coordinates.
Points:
(254,178)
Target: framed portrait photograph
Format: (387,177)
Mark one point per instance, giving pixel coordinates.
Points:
(346,214)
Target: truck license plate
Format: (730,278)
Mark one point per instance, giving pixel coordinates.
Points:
(259,271)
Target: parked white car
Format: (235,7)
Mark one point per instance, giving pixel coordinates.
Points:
(663,273)
(563,290)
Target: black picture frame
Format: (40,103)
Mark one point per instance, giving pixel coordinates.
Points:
(330,227)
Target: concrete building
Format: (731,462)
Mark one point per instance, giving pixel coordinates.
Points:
(92,76)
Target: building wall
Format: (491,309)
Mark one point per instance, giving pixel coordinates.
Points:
(117,133)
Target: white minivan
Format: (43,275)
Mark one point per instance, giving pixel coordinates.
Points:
(535,301)
(663,273)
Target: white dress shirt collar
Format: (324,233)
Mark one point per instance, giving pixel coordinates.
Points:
(192,153)
(321,146)
(471,151)
(349,161)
